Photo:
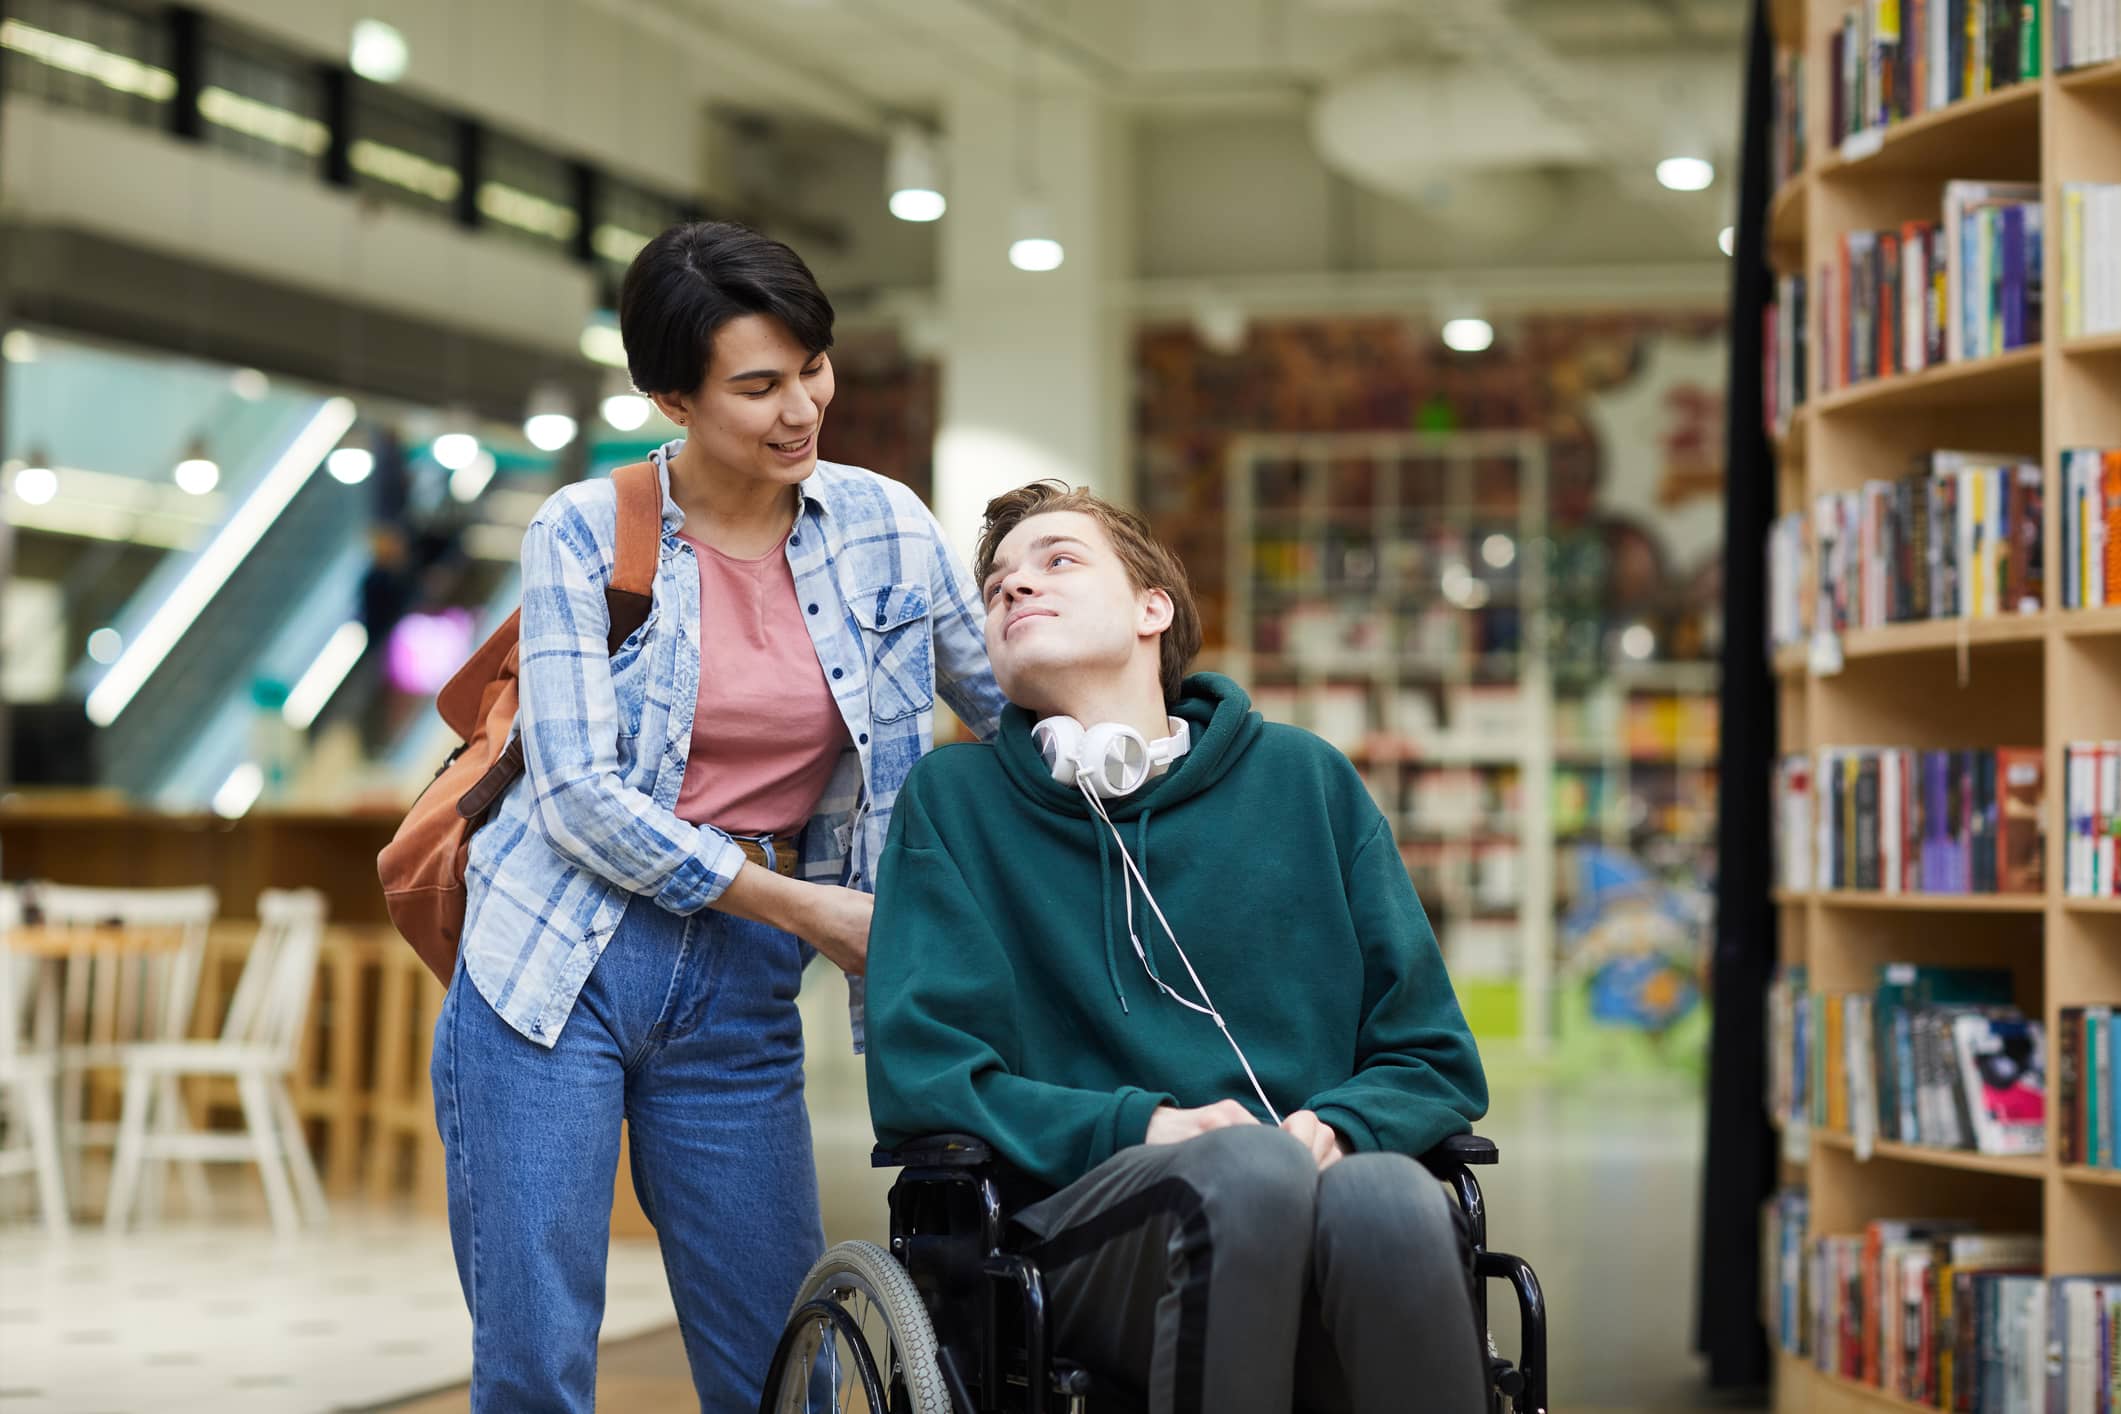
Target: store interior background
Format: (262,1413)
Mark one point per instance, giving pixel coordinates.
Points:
(1379,309)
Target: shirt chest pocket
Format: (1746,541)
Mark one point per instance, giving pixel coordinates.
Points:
(897,641)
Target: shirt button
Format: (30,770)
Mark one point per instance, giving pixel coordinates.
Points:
(854,878)
(863,739)
(795,540)
(813,608)
(837,675)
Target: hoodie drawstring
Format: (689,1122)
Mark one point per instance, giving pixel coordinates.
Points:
(1104,901)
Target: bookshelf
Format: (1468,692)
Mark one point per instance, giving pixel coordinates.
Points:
(1402,595)
(2042,679)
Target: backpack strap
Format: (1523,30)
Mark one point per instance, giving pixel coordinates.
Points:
(640,539)
(628,597)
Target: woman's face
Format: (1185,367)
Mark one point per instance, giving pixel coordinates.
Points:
(758,413)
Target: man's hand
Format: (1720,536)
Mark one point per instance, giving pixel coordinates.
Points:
(1174,1126)
(1324,1142)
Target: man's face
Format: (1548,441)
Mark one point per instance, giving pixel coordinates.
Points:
(1060,607)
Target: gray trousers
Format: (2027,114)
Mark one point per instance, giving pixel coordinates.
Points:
(1227,1275)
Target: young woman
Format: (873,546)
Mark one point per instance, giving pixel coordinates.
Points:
(700,809)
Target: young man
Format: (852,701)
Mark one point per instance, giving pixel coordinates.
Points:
(1207,1010)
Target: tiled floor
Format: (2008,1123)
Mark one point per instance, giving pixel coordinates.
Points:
(1598,1188)
(226,1319)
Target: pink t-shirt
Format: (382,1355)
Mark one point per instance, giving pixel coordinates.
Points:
(767,732)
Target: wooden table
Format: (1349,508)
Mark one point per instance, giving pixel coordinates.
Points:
(57,944)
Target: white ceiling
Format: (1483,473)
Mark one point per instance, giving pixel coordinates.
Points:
(904,54)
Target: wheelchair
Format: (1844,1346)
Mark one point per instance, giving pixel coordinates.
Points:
(949,1321)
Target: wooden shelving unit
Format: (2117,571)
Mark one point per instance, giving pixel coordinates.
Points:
(2046,678)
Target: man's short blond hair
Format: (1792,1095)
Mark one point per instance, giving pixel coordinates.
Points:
(1149,562)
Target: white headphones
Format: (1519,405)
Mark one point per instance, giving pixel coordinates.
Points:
(1105,762)
(1111,759)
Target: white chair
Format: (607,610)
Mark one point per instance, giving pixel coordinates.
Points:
(257,1047)
(29,1079)
(134,977)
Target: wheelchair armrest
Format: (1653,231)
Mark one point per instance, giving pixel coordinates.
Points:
(1467,1149)
(934,1151)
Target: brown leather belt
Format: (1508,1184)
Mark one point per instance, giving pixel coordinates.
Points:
(787,854)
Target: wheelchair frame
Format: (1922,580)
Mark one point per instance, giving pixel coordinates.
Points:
(947,1226)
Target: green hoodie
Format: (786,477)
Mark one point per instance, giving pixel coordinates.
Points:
(1005,999)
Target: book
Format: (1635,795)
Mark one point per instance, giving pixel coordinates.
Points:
(2003,1080)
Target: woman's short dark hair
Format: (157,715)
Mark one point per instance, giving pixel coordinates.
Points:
(694,278)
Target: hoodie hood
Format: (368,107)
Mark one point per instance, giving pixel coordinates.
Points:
(1224,728)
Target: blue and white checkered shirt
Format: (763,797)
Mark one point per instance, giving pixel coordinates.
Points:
(591,824)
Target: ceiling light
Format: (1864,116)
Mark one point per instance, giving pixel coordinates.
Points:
(198,473)
(1468,335)
(602,343)
(105,644)
(468,480)
(918,204)
(549,420)
(36,483)
(1499,550)
(239,792)
(1637,642)
(549,431)
(453,451)
(249,384)
(19,346)
(1035,248)
(1727,240)
(628,412)
(379,51)
(350,466)
(913,175)
(1686,173)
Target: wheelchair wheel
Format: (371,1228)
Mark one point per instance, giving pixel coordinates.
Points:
(858,1338)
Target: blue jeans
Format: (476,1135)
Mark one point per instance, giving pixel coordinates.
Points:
(687,1027)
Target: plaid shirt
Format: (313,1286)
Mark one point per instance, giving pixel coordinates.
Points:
(607,735)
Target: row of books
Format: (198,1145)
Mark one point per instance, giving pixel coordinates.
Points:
(1786,115)
(2086,32)
(1941,1314)
(2091,527)
(1966,286)
(1784,354)
(2088,1108)
(1933,1056)
(2091,817)
(2090,258)
(1898,59)
(1899,821)
(1959,536)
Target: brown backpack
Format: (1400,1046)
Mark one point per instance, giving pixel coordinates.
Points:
(422,868)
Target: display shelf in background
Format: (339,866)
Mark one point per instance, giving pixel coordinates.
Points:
(2047,678)
(2089,623)
(2003,378)
(2093,346)
(2009,1165)
(1931,903)
(2092,78)
(1986,136)
(1943,635)
(2084,1173)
